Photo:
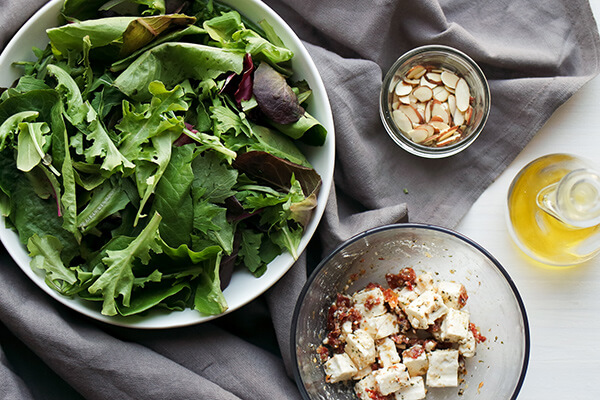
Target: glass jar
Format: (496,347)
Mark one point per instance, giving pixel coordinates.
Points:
(453,60)
(554,210)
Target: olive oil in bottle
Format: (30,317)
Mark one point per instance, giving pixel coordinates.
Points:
(554,210)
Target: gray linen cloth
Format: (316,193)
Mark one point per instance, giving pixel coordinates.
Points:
(536,54)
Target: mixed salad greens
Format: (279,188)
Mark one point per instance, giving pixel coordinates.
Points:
(150,150)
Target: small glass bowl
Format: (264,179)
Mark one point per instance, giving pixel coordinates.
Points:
(494,303)
(449,58)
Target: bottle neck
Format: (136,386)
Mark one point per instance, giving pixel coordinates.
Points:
(575,199)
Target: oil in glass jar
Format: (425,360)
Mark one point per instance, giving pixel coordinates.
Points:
(554,210)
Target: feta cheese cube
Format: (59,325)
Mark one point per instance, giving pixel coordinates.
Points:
(424,283)
(339,368)
(454,294)
(415,359)
(405,296)
(381,326)
(468,346)
(455,326)
(388,354)
(369,302)
(443,368)
(390,379)
(346,328)
(413,390)
(440,309)
(425,309)
(365,387)
(360,346)
(363,372)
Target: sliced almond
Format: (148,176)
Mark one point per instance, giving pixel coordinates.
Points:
(418,135)
(434,78)
(425,82)
(412,113)
(416,72)
(448,132)
(440,93)
(439,126)
(420,109)
(430,129)
(451,103)
(463,95)
(404,99)
(431,139)
(423,93)
(468,115)
(403,89)
(447,141)
(427,115)
(449,79)
(458,117)
(413,82)
(438,110)
(402,121)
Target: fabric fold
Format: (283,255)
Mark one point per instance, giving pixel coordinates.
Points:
(536,55)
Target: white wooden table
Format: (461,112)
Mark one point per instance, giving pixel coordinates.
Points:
(563,304)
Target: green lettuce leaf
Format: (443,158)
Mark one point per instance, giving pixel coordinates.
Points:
(101,32)
(118,278)
(148,120)
(171,63)
(10,127)
(45,253)
(172,198)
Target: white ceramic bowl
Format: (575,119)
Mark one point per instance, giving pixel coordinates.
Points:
(244,287)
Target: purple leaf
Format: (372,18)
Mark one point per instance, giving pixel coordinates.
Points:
(275,97)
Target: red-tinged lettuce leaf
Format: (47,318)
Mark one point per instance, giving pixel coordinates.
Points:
(244,91)
(275,97)
(277,172)
(142,31)
(241,85)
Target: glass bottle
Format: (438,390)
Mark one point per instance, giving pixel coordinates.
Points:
(554,209)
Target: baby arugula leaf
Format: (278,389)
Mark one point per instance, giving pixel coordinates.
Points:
(45,253)
(145,121)
(250,249)
(208,297)
(150,167)
(118,278)
(75,110)
(102,146)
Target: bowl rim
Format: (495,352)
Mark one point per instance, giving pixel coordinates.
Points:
(368,232)
(399,138)
(174,319)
